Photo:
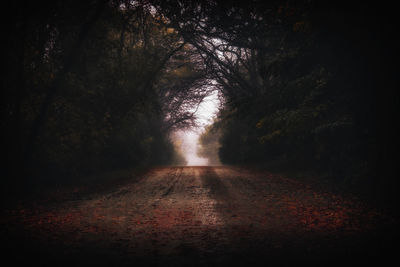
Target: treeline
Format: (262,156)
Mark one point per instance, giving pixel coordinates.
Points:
(307,86)
(209,144)
(99,85)
(92,86)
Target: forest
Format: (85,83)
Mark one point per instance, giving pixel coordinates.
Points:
(94,86)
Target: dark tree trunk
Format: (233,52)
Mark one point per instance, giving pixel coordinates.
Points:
(40,120)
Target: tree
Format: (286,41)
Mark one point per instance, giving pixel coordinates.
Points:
(208,146)
(300,81)
(103,85)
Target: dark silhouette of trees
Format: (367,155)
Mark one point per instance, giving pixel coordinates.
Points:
(209,145)
(307,86)
(92,87)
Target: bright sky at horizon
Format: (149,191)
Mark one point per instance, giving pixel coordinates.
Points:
(206,112)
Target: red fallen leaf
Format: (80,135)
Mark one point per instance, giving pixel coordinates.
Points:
(315,213)
(99,217)
(91,229)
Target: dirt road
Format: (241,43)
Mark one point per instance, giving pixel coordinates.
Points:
(200,216)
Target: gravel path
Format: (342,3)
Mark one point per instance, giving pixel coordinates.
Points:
(200,216)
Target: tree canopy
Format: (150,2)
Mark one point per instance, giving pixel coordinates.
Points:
(94,86)
(307,86)
(100,84)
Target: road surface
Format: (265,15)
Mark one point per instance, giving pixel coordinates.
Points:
(199,216)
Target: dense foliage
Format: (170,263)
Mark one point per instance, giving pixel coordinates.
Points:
(308,86)
(209,145)
(93,86)
(97,85)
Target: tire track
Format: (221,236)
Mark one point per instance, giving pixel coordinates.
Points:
(199,213)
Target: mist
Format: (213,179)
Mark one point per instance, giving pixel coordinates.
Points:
(188,139)
(206,133)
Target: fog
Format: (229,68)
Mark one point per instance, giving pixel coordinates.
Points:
(189,138)
(189,147)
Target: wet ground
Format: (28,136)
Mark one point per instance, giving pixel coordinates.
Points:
(200,216)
